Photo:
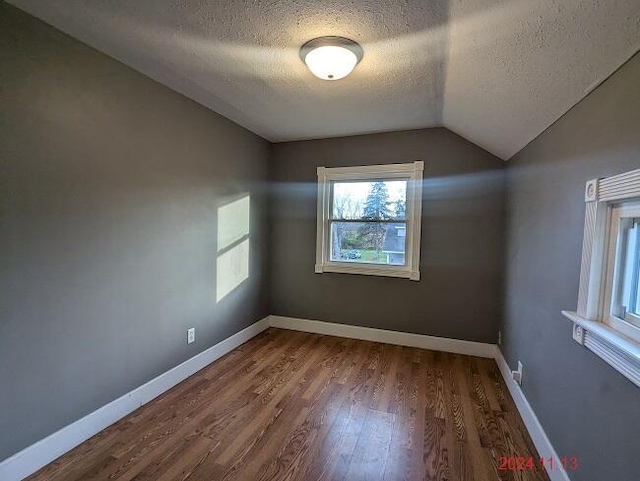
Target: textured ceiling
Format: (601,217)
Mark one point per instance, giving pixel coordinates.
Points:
(495,72)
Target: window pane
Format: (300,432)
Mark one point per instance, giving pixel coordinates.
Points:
(375,200)
(628,271)
(369,242)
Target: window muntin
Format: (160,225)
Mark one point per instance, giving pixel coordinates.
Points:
(357,237)
(368,223)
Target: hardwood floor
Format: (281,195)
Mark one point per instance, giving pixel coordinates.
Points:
(295,406)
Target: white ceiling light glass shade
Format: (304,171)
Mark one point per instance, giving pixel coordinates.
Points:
(331,58)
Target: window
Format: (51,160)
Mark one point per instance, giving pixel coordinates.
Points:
(607,320)
(369,220)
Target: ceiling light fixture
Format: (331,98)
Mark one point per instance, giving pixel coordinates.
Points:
(331,58)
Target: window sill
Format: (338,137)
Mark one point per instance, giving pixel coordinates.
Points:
(368,270)
(619,351)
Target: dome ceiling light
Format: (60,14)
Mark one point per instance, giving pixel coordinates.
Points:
(331,58)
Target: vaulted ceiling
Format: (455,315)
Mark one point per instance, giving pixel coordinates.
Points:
(496,72)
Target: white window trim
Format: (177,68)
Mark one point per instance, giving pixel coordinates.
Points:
(591,323)
(412,171)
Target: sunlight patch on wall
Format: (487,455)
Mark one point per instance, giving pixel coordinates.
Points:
(233,222)
(233,246)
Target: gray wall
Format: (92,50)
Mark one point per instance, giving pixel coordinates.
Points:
(108,207)
(587,408)
(460,291)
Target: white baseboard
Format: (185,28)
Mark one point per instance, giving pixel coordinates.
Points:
(538,436)
(458,346)
(41,453)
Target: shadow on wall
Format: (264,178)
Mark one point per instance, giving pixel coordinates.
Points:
(233,245)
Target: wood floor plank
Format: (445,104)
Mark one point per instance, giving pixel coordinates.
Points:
(482,469)
(296,406)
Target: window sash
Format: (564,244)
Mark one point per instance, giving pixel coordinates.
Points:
(631,273)
(339,221)
(634,249)
(619,283)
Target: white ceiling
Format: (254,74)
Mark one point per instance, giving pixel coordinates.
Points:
(496,72)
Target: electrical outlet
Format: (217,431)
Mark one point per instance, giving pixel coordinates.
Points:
(499,338)
(517,375)
(191,335)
